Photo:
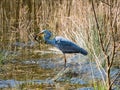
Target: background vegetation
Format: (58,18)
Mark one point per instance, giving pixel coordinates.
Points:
(93,24)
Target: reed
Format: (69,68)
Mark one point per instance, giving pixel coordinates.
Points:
(92,24)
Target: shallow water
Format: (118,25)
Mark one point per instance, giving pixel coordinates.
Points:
(44,70)
(33,73)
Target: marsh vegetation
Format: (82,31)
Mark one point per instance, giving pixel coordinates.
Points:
(92,24)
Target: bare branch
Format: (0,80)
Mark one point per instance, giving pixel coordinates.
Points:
(105,2)
(115,78)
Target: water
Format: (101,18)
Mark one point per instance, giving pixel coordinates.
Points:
(44,70)
(35,71)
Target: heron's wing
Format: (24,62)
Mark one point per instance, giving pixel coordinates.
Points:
(66,46)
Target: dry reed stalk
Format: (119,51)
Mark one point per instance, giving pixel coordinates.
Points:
(73,19)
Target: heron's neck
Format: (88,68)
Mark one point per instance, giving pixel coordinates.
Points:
(50,41)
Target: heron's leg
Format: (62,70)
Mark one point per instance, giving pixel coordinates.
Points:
(64,60)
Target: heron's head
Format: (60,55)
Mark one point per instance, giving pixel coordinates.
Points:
(43,36)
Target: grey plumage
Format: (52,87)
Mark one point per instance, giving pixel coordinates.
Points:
(65,45)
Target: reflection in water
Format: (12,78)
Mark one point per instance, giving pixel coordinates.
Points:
(38,70)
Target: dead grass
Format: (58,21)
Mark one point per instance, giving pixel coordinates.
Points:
(73,19)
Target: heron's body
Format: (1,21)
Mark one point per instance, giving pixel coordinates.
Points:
(65,45)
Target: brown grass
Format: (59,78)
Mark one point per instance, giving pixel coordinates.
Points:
(73,19)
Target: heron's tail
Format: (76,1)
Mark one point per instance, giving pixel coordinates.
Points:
(83,51)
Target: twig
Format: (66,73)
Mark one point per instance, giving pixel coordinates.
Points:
(100,38)
(105,2)
(114,79)
(103,50)
(95,15)
(113,38)
(98,64)
(108,43)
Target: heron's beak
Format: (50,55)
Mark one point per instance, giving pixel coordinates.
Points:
(38,37)
(40,34)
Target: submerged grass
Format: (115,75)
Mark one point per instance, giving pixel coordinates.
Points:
(99,86)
